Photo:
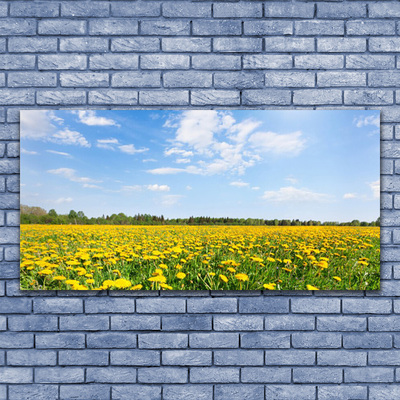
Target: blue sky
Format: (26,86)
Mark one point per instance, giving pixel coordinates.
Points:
(321,165)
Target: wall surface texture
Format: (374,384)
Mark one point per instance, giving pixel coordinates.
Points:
(197,54)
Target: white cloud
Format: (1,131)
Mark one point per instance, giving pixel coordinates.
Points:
(24,151)
(70,174)
(166,171)
(107,144)
(291,180)
(373,120)
(60,153)
(188,187)
(36,124)
(349,196)
(130,149)
(243,129)
(171,199)
(376,188)
(179,152)
(69,137)
(90,118)
(63,200)
(182,160)
(158,188)
(239,184)
(292,194)
(149,160)
(271,142)
(133,188)
(255,188)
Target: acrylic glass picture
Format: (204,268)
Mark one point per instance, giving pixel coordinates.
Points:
(200,200)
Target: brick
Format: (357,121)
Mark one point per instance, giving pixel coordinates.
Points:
(321,340)
(111,340)
(239,392)
(163,375)
(98,392)
(262,375)
(100,306)
(83,357)
(313,375)
(214,97)
(181,9)
(17,61)
(239,80)
(290,392)
(241,323)
(32,45)
(32,323)
(186,357)
(61,61)
(261,340)
(109,96)
(370,61)
(289,323)
(135,322)
(317,27)
(135,44)
(216,62)
(84,79)
(84,323)
(165,28)
(237,10)
(288,10)
(214,375)
(16,375)
(59,375)
(340,45)
(164,61)
(289,79)
(342,78)
(319,61)
(238,357)
(179,392)
(8,235)
(16,340)
(384,357)
(214,340)
(212,305)
(341,11)
(366,306)
(187,323)
(384,78)
(16,306)
(382,392)
(193,45)
(365,27)
(65,97)
(325,306)
(344,392)
(269,27)
(187,79)
(111,375)
(19,26)
(217,27)
(342,358)
(3,327)
(163,340)
(37,9)
(384,10)
(341,323)
(367,341)
(386,202)
(37,392)
(84,44)
(136,392)
(368,97)
(386,323)
(369,375)
(32,79)
(127,9)
(61,27)
(92,9)
(113,27)
(3,13)
(237,45)
(387,44)
(290,357)
(12,151)
(9,201)
(317,96)
(135,357)
(31,357)
(113,61)
(289,44)
(263,305)
(153,97)
(263,96)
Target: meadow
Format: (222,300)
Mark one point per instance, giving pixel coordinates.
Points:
(98,257)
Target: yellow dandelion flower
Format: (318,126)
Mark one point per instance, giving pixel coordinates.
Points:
(158,278)
(180,275)
(59,278)
(89,281)
(223,278)
(165,286)
(310,287)
(45,272)
(337,278)
(122,283)
(270,286)
(230,269)
(242,277)
(136,287)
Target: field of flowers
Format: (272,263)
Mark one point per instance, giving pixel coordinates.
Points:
(93,257)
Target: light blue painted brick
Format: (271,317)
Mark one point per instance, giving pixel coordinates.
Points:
(396,273)
(83,357)
(17,61)
(384,78)
(59,375)
(341,323)
(269,27)
(135,357)
(31,357)
(165,28)
(187,79)
(288,10)
(33,392)
(113,61)
(290,392)
(109,306)
(215,97)
(129,9)
(386,236)
(163,375)
(163,340)
(217,27)
(314,375)
(58,97)
(83,79)
(384,357)
(187,323)
(317,96)
(57,306)
(384,10)
(84,44)
(36,9)
(344,392)
(216,340)
(289,79)
(16,375)
(84,323)
(289,323)
(32,323)
(325,306)
(288,44)
(321,340)
(386,323)
(341,11)
(32,45)
(370,61)
(181,9)
(290,357)
(387,44)
(238,357)
(369,375)
(266,375)
(164,61)
(111,375)
(154,98)
(3,324)
(186,357)
(10,270)
(85,392)
(366,306)
(239,392)
(193,45)
(212,305)
(367,340)
(135,322)
(342,358)
(8,201)
(16,340)
(266,96)
(62,61)
(136,392)
(365,27)
(317,27)
(17,306)
(32,79)
(237,45)
(368,97)
(85,9)
(319,61)
(113,27)
(12,150)
(341,45)
(239,323)
(386,134)
(179,392)
(135,44)
(19,26)
(110,96)
(3,9)
(2,84)
(214,375)
(267,305)
(61,27)
(342,78)
(237,10)
(239,80)
(265,340)
(8,235)
(216,62)
(391,150)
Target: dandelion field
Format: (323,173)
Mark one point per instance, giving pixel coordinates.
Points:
(79,257)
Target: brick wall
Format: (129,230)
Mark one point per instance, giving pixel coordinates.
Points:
(200,345)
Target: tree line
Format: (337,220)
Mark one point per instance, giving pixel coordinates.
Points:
(38,215)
